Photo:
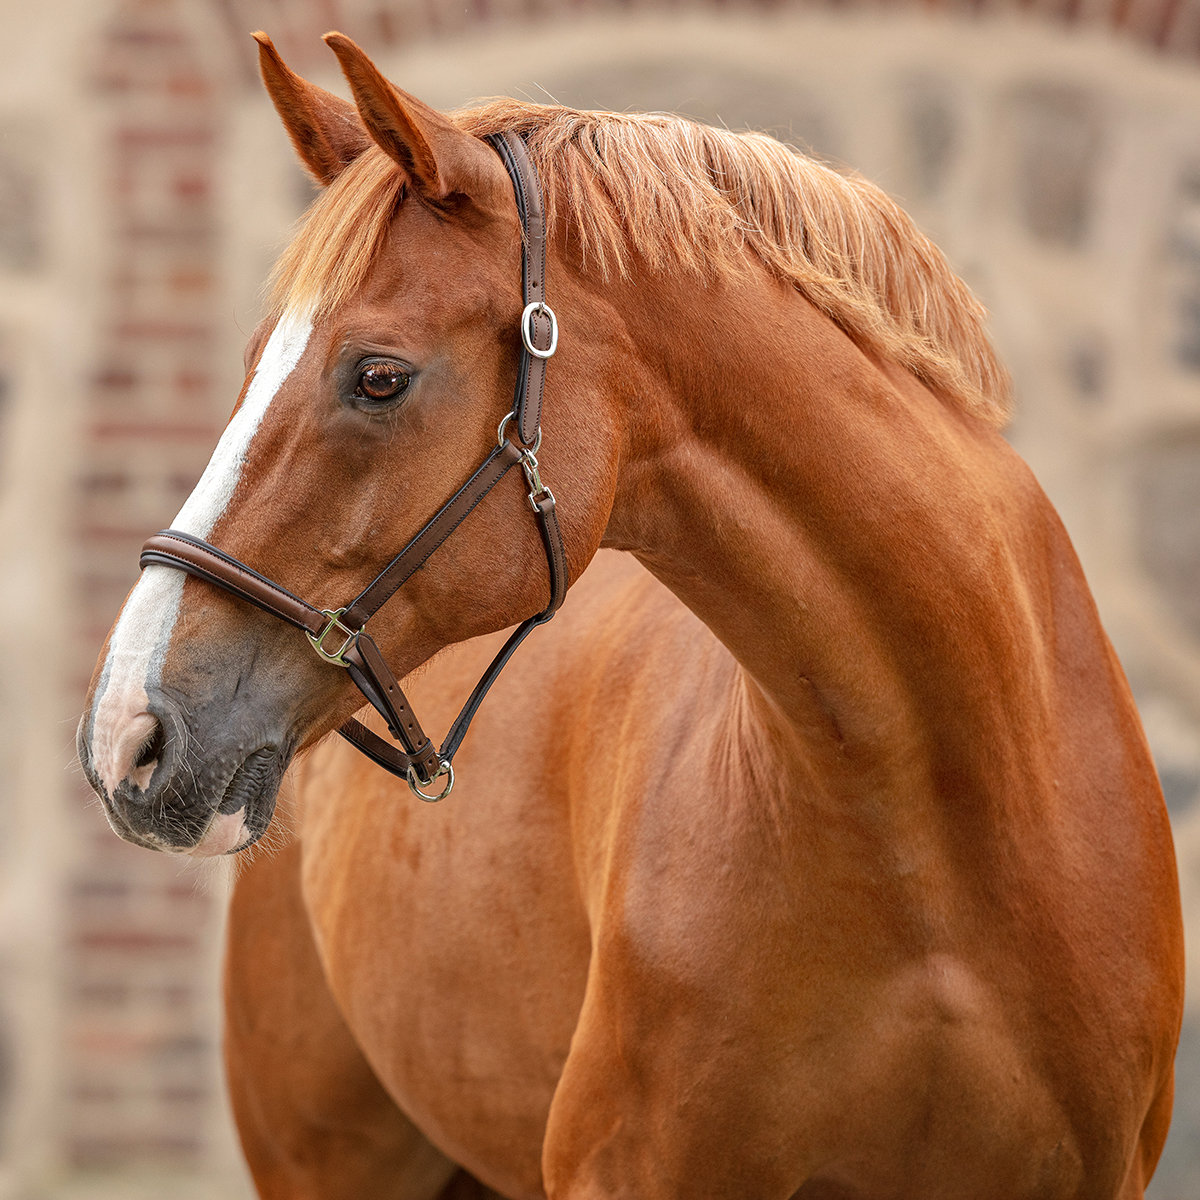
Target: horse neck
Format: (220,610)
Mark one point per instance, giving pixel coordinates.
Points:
(830,520)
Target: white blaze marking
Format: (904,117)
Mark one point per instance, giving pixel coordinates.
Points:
(139,642)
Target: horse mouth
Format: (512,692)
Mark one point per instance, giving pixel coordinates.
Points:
(246,806)
(249,780)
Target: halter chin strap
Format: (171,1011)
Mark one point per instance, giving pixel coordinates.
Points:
(338,635)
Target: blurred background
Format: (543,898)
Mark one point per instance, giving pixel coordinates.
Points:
(1051,147)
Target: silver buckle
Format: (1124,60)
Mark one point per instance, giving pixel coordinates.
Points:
(444,768)
(532,309)
(318,642)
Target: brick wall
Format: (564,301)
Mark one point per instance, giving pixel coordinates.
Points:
(139,1034)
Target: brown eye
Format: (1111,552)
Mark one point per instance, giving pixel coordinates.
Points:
(382,381)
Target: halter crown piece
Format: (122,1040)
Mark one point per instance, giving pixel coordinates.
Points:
(338,635)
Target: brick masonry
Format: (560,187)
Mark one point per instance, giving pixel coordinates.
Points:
(140,1050)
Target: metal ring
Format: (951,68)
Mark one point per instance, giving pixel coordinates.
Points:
(537,441)
(443,769)
(531,309)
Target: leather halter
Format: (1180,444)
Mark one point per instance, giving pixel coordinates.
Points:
(338,635)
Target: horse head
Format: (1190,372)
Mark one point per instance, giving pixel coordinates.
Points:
(372,392)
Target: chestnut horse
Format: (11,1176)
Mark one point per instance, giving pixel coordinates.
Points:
(814,850)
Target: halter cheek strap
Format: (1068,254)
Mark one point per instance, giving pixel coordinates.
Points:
(338,635)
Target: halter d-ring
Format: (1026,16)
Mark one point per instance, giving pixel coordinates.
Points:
(414,783)
(537,441)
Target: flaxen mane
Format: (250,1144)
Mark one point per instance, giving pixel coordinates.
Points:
(694,198)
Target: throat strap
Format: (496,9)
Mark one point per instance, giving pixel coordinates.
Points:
(339,635)
(401,763)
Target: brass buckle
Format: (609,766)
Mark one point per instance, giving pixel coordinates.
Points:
(318,642)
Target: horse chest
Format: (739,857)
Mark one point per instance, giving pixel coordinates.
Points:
(458,954)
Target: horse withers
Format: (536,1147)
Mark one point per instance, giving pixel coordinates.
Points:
(814,850)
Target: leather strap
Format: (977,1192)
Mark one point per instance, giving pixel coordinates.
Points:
(417,758)
(552,539)
(391,759)
(531,380)
(373,597)
(374,678)
(172,548)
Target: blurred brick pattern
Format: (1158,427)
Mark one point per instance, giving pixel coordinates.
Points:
(141,1053)
(1169,25)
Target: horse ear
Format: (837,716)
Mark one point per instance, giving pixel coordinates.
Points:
(439,158)
(324,128)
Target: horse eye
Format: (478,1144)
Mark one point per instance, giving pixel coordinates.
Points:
(381,381)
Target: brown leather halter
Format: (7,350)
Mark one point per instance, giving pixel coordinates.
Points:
(419,761)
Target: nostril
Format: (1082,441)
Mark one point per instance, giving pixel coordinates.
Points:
(152,748)
(147,756)
(125,749)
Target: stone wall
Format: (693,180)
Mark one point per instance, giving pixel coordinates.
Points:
(144,190)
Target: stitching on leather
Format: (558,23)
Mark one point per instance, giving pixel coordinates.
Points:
(209,577)
(532,205)
(232,563)
(382,579)
(235,583)
(538,403)
(529,434)
(470,509)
